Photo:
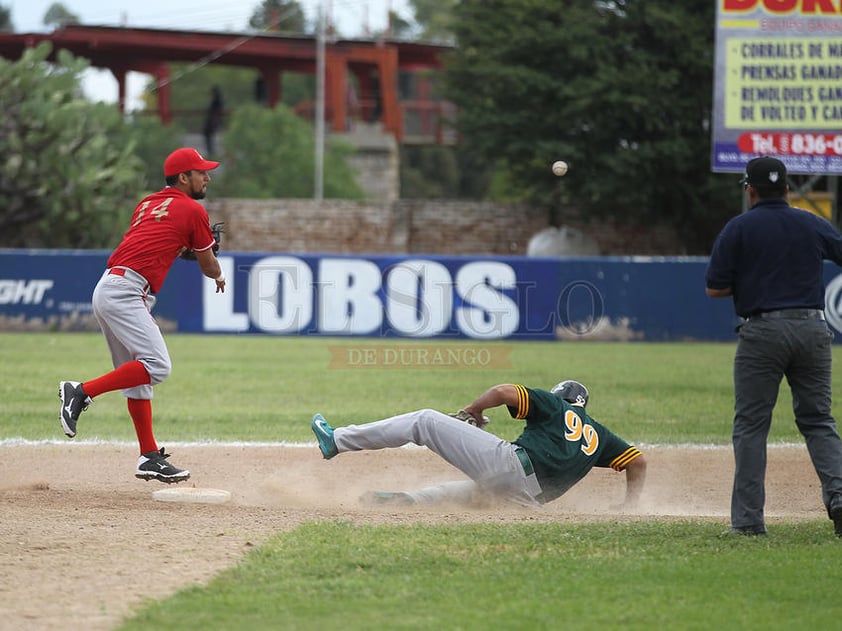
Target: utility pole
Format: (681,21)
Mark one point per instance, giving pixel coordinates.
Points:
(318,178)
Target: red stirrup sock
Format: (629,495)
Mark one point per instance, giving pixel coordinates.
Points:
(141,412)
(129,375)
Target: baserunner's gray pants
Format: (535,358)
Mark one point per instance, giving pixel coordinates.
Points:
(489,461)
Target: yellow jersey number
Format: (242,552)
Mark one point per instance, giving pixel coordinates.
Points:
(576,430)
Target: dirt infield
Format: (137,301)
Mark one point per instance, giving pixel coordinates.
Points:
(83,544)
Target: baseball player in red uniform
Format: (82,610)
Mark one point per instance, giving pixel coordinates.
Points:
(559,445)
(163,226)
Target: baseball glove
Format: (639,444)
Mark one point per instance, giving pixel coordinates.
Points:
(216,230)
(462,415)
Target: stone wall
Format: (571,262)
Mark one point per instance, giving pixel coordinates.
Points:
(375,160)
(416,227)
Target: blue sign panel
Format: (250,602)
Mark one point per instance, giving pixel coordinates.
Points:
(480,298)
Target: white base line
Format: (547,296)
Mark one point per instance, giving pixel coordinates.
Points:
(25,442)
(88,442)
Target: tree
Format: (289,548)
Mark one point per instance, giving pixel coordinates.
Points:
(621,91)
(279,16)
(152,142)
(434,19)
(6,25)
(429,172)
(65,180)
(398,28)
(59,15)
(271,153)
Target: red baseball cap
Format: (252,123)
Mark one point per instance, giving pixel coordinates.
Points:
(186,159)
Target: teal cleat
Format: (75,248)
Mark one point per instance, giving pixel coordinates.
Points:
(324,433)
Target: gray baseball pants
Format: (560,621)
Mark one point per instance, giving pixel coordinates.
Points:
(121,307)
(492,464)
(767,351)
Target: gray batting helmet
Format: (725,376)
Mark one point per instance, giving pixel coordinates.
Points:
(572,391)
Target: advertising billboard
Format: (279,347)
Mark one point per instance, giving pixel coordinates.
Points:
(778,85)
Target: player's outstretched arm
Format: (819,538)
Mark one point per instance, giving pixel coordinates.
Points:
(635,479)
(209,265)
(502,394)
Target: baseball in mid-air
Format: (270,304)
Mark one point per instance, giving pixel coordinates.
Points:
(559,167)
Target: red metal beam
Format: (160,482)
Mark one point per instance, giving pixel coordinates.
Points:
(151,50)
(104,46)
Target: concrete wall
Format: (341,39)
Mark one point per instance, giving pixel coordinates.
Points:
(409,227)
(376,160)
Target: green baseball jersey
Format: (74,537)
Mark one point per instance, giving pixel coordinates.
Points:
(563,442)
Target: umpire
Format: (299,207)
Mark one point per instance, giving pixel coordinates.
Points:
(770,260)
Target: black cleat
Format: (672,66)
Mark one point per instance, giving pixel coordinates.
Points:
(836,515)
(74,401)
(153,465)
(745,531)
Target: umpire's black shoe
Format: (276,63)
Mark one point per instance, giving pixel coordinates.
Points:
(835,511)
(745,531)
(154,465)
(73,402)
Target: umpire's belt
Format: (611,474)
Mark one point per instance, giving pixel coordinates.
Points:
(131,275)
(789,314)
(525,462)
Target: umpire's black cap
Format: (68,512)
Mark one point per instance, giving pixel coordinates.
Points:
(765,172)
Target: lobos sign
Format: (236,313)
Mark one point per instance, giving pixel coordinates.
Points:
(354,296)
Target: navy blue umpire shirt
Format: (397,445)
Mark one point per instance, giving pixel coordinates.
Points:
(772,258)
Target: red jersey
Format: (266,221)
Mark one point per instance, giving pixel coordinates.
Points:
(162,224)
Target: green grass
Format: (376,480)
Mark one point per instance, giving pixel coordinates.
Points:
(662,574)
(680,575)
(262,388)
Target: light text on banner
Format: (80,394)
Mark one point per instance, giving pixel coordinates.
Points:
(423,357)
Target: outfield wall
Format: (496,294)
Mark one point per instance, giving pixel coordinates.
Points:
(486,298)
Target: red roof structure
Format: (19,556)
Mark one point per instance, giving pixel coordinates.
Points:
(151,51)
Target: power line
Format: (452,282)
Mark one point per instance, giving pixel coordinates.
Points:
(200,16)
(221,52)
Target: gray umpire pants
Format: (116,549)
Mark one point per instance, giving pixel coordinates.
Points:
(491,463)
(768,350)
